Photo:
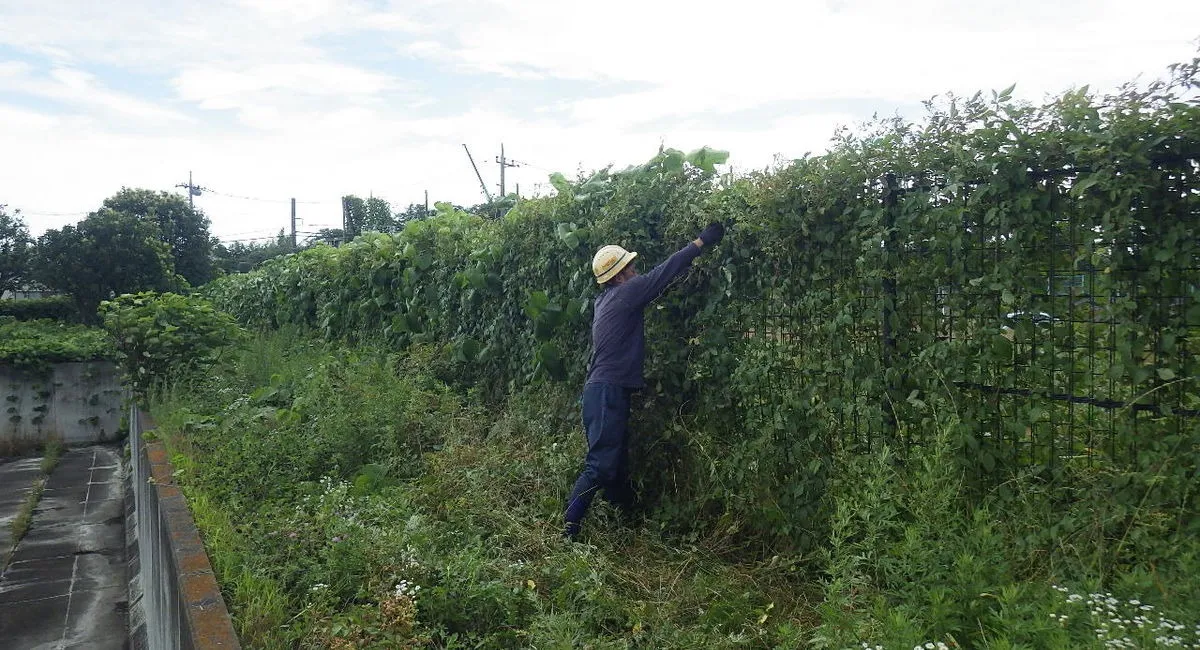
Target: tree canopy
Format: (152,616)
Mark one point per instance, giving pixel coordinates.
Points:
(15,250)
(181,227)
(108,253)
(243,257)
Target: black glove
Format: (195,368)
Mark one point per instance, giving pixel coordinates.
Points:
(713,233)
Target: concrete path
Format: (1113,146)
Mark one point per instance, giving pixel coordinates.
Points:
(16,480)
(65,586)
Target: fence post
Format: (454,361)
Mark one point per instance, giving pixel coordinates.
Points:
(887,315)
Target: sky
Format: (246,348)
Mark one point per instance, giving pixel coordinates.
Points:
(267,100)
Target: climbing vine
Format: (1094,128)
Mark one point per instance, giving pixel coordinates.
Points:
(1030,271)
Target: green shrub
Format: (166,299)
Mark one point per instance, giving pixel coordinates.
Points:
(34,345)
(60,308)
(167,337)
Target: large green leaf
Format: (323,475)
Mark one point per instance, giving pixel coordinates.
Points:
(707,159)
(560,183)
(550,359)
(467,349)
(537,302)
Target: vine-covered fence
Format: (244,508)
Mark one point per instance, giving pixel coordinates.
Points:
(1024,278)
(1068,328)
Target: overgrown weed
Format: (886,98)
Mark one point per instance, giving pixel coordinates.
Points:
(330,484)
(20,524)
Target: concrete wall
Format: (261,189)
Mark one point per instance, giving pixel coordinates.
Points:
(78,403)
(175,591)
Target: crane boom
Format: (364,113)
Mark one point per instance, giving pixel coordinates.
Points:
(477,174)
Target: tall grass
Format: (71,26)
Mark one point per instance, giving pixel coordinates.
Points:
(351,499)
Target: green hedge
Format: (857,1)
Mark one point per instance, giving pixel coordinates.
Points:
(60,308)
(33,345)
(859,297)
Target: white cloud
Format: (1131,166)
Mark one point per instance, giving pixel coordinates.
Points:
(25,120)
(81,89)
(323,109)
(216,88)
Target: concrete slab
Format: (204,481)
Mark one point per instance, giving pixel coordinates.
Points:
(98,538)
(46,570)
(62,505)
(66,583)
(74,468)
(108,511)
(104,490)
(100,571)
(104,474)
(35,624)
(110,643)
(41,542)
(110,490)
(95,614)
(34,588)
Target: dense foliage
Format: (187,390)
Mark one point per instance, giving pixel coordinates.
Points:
(858,296)
(374,214)
(106,254)
(15,248)
(351,499)
(243,257)
(166,337)
(34,344)
(181,227)
(138,240)
(60,308)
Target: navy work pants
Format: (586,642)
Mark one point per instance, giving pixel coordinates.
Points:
(605,420)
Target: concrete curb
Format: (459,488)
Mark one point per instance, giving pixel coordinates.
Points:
(180,600)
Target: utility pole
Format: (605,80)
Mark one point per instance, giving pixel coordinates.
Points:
(504,162)
(293,224)
(192,188)
(345,219)
(477,174)
(426,204)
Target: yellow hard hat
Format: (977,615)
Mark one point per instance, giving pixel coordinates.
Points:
(609,261)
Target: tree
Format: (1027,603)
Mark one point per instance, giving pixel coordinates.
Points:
(15,250)
(414,212)
(355,211)
(240,257)
(495,208)
(378,216)
(106,254)
(181,227)
(331,236)
(370,215)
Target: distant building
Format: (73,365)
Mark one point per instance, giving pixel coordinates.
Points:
(28,292)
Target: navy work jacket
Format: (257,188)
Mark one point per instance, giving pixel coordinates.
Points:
(618,326)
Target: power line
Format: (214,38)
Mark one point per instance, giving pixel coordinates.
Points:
(39,213)
(197,190)
(256,198)
(247,239)
(242,234)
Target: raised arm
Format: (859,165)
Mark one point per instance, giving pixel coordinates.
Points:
(642,289)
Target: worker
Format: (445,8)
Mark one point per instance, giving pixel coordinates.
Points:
(615,370)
